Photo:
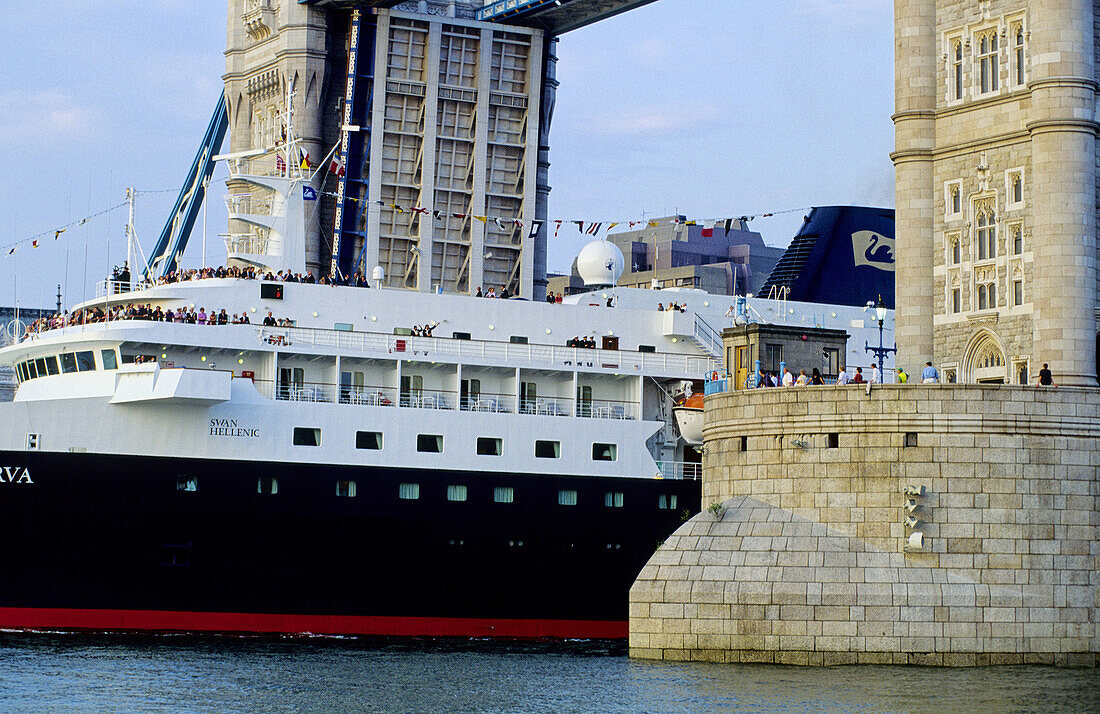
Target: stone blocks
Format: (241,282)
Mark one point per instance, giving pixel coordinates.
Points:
(1009,515)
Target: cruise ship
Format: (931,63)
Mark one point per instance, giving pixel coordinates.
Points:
(353,459)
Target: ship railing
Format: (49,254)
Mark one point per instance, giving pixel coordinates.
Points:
(246,243)
(690,470)
(488,402)
(605,409)
(427,399)
(367,395)
(490,352)
(103,288)
(547,406)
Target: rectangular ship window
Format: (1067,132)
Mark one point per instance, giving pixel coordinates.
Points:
(268,485)
(40,365)
(603,452)
(368,440)
(110,361)
(51,365)
(187,483)
(567,497)
(32,442)
(429,443)
(613,499)
(307,436)
(408,491)
(346,489)
(489,446)
(85,361)
(456,492)
(68,362)
(547,449)
(667,502)
(504,494)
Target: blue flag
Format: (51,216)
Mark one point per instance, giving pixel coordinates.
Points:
(309,193)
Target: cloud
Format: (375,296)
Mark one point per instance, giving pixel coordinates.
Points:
(43,115)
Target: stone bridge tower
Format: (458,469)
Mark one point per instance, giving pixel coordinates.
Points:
(996,175)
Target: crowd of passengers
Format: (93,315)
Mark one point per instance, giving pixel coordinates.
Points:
(246,273)
(138,311)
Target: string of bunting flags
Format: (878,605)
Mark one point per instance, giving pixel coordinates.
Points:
(588,227)
(36,239)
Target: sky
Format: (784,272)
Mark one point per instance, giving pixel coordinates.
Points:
(709,108)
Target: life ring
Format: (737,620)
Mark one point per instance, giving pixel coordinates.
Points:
(714,376)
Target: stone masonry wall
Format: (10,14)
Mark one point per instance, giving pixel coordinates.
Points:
(806,559)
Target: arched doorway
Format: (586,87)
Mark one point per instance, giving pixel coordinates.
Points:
(985,360)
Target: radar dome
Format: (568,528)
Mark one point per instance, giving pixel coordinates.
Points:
(600,263)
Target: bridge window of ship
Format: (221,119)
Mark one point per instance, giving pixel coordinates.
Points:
(40,365)
(604,452)
(187,483)
(268,485)
(489,446)
(567,497)
(666,501)
(346,489)
(504,494)
(547,449)
(408,491)
(613,499)
(68,362)
(307,436)
(429,443)
(456,492)
(110,360)
(368,440)
(51,365)
(85,361)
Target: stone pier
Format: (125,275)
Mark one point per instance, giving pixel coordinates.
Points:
(947,525)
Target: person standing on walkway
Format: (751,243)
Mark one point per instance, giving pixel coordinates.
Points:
(929,375)
(902,376)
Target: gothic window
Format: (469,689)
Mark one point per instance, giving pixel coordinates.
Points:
(1017,292)
(957,70)
(986,236)
(1018,54)
(956,300)
(987,296)
(987,62)
(1017,240)
(955,251)
(953,200)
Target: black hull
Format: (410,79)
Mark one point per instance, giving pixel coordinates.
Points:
(110,542)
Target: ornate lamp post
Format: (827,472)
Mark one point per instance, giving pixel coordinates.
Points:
(880,352)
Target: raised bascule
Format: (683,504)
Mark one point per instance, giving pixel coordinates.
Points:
(457,126)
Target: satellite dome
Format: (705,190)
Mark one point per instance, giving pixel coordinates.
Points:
(600,263)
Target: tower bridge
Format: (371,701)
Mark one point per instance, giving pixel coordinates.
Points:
(439,105)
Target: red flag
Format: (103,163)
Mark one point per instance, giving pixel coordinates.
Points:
(707,233)
(280,164)
(34,244)
(337,166)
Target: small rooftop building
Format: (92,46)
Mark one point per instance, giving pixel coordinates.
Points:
(677,253)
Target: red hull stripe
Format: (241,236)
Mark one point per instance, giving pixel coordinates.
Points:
(33,618)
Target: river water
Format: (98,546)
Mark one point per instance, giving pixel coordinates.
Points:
(221,674)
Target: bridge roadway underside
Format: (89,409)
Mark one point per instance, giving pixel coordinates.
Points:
(552,16)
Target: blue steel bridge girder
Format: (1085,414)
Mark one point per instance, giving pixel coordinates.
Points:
(554,16)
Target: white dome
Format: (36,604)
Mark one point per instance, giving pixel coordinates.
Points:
(600,263)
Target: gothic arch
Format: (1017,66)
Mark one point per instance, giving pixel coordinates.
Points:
(984,359)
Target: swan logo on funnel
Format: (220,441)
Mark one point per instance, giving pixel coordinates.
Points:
(873,249)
